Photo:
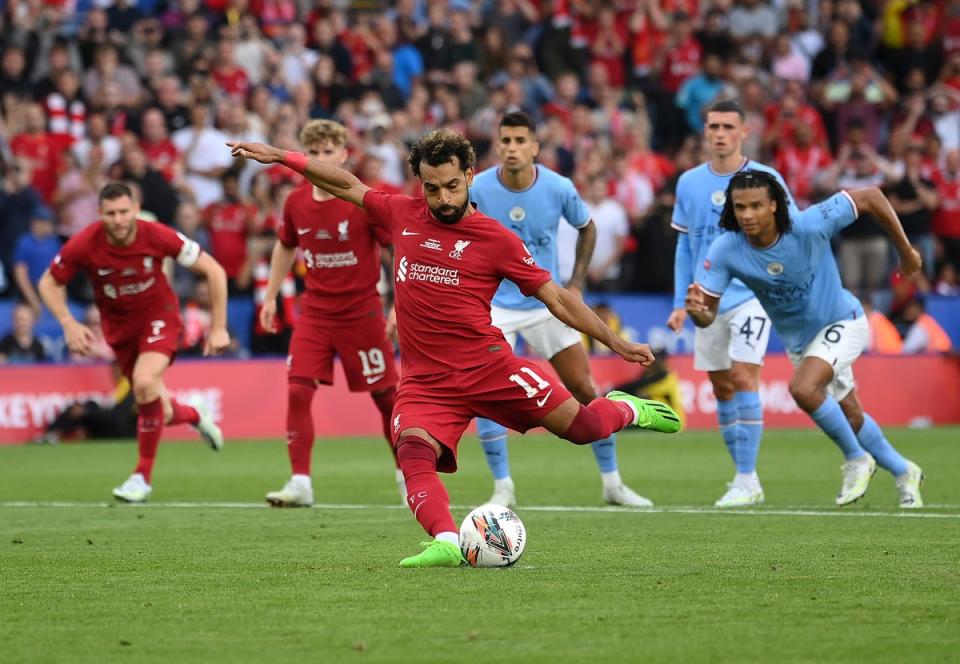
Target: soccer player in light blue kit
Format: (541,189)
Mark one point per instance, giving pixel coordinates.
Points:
(530,199)
(731,350)
(788,262)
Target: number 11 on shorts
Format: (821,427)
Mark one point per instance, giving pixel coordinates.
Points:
(527,387)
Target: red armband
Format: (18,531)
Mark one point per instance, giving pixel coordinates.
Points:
(295,160)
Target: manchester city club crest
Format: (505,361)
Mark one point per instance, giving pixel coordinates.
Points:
(719,197)
(517,214)
(775,269)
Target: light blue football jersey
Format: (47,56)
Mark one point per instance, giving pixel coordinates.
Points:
(534,215)
(796,279)
(701,193)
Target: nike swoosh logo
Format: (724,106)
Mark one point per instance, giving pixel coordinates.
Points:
(151,340)
(373,379)
(546,396)
(406,232)
(303,231)
(104,272)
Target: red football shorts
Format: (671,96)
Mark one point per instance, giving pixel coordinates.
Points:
(160,334)
(514,392)
(363,347)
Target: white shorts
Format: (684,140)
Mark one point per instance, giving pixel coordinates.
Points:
(541,331)
(738,335)
(839,345)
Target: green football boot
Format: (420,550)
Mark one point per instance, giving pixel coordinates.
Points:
(435,554)
(653,415)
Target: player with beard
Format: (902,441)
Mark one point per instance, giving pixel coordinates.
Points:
(449,262)
(123,256)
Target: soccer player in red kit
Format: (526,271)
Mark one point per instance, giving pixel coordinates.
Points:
(123,257)
(341,312)
(449,261)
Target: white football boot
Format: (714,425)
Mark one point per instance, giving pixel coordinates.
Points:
(624,495)
(503,493)
(908,486)
(295,493)
(741,493)
(206,427)
(134,490)
(856,479)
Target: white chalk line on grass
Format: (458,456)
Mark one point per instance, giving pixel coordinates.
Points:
(676,509)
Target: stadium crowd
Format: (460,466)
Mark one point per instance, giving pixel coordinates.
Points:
(838,94)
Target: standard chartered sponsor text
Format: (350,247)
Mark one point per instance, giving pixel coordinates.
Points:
(337,259)
(434,274)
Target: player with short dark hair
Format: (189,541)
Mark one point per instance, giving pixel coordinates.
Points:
(731,350)
(787,261)
(123,257)
(449,260)
(530,200)
(341,313)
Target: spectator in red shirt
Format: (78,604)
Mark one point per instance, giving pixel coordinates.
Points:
(801,163)
(946,222)
(41,150)
(162,154)
(229,77)
(231,222)
(678,60)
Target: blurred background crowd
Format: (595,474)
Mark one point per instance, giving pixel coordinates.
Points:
(838,94)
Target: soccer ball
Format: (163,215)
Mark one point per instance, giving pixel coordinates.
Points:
(492,536)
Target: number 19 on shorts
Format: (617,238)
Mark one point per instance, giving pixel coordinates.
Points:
(373,364)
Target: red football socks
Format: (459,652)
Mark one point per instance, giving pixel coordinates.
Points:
(149,428)
(384,401)
(427,498)
(183,414)
(597,420)
(300,424)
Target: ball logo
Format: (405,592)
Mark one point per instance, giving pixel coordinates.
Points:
(517,214)
(775,269)
(706,264)
(718,197)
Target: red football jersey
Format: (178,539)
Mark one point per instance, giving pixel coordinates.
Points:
(230,225)
(446,275)
(128,282)
(340,250)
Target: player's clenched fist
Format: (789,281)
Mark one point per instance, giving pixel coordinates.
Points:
(265,154)
(910,262)
(694,301)
(632,352)
(79,337)
(217,341)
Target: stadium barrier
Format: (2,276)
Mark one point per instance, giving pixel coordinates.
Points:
(248,398)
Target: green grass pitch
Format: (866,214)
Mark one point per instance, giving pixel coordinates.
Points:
(205,574)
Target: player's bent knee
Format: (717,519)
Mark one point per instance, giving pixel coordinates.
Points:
(807,396)
(582,390)
(745,378)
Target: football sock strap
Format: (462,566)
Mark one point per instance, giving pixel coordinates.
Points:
(427,498)
(493,438)
(300,424)
(149,430)
(750,414)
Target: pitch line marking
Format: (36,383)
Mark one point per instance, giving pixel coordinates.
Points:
(678,509)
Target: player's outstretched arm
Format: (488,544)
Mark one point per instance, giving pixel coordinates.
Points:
(219,339)
(872,201)
(569,308)
(332,179)
(701,306)
(79,337)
